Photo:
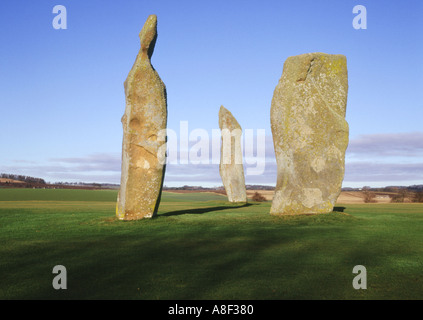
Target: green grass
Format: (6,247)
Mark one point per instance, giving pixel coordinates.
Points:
(202,247)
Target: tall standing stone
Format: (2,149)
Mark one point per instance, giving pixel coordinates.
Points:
(144,134)
(310,133)
(231,166)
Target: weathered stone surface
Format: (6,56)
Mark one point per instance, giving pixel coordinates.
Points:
(144,125)
(231,166)
(310,133)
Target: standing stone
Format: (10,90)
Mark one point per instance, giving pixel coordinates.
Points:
(310,133)
(144,134)
(231,166)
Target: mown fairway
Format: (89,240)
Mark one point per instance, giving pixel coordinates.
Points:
(202,247)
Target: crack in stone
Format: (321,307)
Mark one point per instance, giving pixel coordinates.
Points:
(302,79)
(309,67)
(146,149)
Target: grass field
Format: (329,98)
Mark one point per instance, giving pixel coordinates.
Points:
(202,247)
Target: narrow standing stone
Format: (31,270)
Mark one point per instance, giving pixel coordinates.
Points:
(144,134)
(231,166)
(310,133)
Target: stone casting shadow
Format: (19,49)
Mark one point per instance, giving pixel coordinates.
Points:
(201,210)
(339,209)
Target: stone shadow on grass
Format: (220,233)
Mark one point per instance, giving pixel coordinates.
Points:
(339,209)
(201,210)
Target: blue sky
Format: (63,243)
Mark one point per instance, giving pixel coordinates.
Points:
(61,91)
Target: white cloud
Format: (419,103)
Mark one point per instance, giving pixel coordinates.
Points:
(98,167)
(385,159)
(387,144)
(380,172)
(382,158)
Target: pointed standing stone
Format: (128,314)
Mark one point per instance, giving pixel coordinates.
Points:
(310,133)
(231,166)
(144,134)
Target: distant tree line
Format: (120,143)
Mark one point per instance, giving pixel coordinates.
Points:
(418,196)
(404,194)
(397,194)
(22,178)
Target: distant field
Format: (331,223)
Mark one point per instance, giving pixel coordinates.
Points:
(202,247)
(350,197)
(5,180)
(110,195)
